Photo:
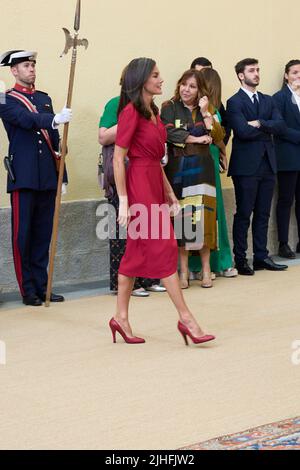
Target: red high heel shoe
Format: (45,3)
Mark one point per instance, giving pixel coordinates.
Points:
(196,340)
(115,327)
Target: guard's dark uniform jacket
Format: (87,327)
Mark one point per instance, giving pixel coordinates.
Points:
(31,159)
(34,190)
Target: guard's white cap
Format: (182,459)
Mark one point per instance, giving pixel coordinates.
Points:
(11,58)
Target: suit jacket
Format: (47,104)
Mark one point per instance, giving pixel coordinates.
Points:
(287,144)
(249,143)
(32,161)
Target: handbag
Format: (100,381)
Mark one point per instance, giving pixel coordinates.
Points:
(106,177)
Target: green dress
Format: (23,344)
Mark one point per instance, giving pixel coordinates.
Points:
(220,259)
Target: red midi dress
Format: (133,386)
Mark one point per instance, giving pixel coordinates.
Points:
(151,249)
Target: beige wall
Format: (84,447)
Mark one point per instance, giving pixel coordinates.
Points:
(172,32)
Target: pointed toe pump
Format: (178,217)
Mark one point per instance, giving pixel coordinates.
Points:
(196,340)
(116,327)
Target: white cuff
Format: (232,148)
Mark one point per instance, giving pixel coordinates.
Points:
(54,125)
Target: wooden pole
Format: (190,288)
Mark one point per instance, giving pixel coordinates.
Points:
(70,42)
(60,181)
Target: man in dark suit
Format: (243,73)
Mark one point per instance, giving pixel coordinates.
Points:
(254,119)
(31,127)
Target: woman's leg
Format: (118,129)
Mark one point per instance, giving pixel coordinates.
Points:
(287,183)
(206,273)
(117,244)
(184,267)
(172,285)
(125,285)
(205,256)
(183,258)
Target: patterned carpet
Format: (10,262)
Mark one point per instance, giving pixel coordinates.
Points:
(283,435)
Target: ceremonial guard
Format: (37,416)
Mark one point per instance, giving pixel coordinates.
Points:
(32,164)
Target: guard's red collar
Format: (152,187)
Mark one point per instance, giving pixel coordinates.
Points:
(24,89)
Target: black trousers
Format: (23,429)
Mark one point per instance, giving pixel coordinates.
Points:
(32,222)
(288,192)
(253,196)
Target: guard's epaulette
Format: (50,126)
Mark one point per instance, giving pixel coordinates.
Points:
(43,92)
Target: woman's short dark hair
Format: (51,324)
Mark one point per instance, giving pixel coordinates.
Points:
(203,61)
(135,76)
(192,73)
(242,64)
(288,67)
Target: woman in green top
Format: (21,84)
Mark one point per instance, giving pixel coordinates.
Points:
(221,259)
(107,136)
(108,122)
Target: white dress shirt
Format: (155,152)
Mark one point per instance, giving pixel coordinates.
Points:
(250,94)
(296,97)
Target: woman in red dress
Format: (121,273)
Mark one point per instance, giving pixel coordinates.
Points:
(145,196)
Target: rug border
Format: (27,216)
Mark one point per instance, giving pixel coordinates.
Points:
(248,431)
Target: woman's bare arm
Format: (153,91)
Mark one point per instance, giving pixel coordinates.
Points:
(107,136)
(120,180)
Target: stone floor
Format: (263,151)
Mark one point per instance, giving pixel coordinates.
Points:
(12,300)
(76,291)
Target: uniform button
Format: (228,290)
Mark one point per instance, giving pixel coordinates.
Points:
(40,141)
(38,133)
(40,151)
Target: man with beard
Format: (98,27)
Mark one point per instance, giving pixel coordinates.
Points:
(254,119)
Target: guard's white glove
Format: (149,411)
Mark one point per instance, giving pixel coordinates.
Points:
(63,117)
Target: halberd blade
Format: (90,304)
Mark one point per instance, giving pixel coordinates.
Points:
(83,42)
(69,42)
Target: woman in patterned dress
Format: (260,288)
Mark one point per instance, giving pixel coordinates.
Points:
(190,170)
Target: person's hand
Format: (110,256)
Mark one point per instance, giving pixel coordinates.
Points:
(173,204)
(64,189)
(205,139)
(124,212)
(203,104)
(223,160)
(63,117)
(254,124)
(296,86)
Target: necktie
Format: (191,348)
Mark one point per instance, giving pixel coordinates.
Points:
(256,105)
